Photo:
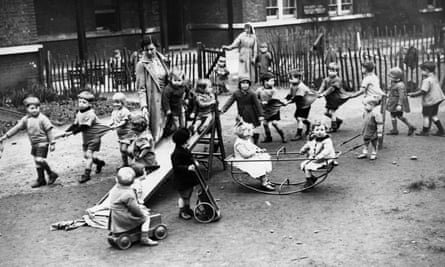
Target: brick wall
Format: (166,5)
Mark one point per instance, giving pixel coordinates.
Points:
(18,70)
(254,10)
(17,22)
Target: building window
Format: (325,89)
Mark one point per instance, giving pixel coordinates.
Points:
(277,9)
(106,14)
(340,7)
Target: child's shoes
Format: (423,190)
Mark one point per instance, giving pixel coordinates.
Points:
(362,156)
(99,165)
(85,177)
(268,139)
(373,157)
(411,130)
(147,241)
(185,213)
(393,132)
(52,178)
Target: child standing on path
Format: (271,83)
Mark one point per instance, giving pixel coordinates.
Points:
(41,135)
(300,94)
(271,106)
(372,128)
(432,96)
(120,118)
(249,107)
(398,101)
(222,76)
(264,61)
(370,85)
(332,89)
(92,130)
(125,212)
(204,101)
(173,99)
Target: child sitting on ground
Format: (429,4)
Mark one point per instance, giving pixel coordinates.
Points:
(204,101)
(173,100)
(319,151)
(184,172)
(372,128)
(141,150)
(398,101)
(222,76)
(303,97)
(244,149)
(41,135)
(125,211)
(92,130)
(432,96)
(120,118)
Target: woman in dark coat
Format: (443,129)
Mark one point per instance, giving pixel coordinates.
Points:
(249,107)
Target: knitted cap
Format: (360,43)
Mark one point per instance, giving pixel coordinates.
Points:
(333,66)
(88,96)
(119,97)
(125,176)
(428,65)
(31,100)
(395,73)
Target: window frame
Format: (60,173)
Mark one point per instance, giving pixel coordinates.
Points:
(280,10)
(339,11)
(112,9)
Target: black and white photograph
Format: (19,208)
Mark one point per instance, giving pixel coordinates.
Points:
(222,133)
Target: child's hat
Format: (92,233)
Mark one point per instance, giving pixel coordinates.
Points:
(244,79)
(296,73)
(31,100)
(181,136)
(371,101)
(395,73)
(368,65)
(203,84)
(428,65)
(119,97)
(88,96)
(333,66)
(126,175)
(267,76)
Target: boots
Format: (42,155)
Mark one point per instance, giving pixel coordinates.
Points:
(308,184)
(338,122)
(85,177)
(334,127)
(185,213)
(308,127)
(394,130)
(52,175)
(298,135)
(268,137)
(281,133)
(99,164)
(424,132)
(266,184)
(40,178)
(255,137)
(440,130)
(147,241)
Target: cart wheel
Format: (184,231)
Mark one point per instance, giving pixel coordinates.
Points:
(204,212)
(160,232)
(124,242)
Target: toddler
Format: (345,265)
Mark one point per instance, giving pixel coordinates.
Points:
(173,99)
(204,103)
(370,85)
(372,128)
(264,61)
(221,75)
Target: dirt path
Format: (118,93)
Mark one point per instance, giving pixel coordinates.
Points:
(363,215)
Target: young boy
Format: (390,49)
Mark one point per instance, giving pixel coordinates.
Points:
(370,85)
(173,98)
(264,61)
(432,96)
(120,118)
(271,110)
(126,213)
(332,89)
(222,76)
(372,128)
(398,101)
(41,134)
(300,95)
(204,101)
(183,169)
(92,130)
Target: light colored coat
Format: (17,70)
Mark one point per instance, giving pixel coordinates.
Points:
(247,47)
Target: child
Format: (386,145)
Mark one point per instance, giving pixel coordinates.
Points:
(319,151)
(184,172)
(398,101)
(249,107)
(222,75)
(271,111)
(204,101)
(41,134)
(264,61)
(141,149)
(245,149)
(173,98)
(372,128)
(300,94)
(125,211)
(92,130)
(332,89)
(370,85)
(432,96)
(121,122)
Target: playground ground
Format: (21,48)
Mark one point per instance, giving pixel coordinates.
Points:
(389,212)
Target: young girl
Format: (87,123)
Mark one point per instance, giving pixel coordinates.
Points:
(271,110)
(303,97)
(372,128)
(370,85)
(221,75)
(173,100)
(204,101)
(245,149)
(398,101)
(141,149)
(249,107)
(121,122)
(184,172)
(319,151)
(126,213)
(332,89)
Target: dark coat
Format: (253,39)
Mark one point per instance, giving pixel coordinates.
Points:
(173,99)
(249,108)
(181,159)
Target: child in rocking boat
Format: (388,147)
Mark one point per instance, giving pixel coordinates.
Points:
(319,151)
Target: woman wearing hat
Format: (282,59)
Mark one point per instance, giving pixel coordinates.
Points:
(249,107)
(151,78)
(246,43)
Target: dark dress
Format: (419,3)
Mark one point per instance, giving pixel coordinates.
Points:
(249,108)
(173,98)
(181,159)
